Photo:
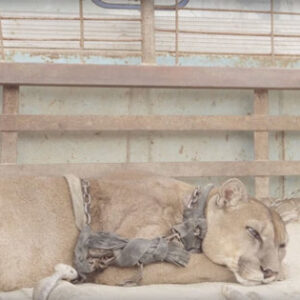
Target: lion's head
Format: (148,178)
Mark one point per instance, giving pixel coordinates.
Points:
(244,234)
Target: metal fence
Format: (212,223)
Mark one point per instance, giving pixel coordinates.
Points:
(263,28)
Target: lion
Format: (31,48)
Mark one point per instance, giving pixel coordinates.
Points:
(245,240)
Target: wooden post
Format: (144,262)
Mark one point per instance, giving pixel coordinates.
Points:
(148,52)
(261,142)
(148,32)
(9,139)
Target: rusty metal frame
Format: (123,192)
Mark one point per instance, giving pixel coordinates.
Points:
(173,169)
(13,75)
(72,123)
(148,76)
(177,31)
(81,50)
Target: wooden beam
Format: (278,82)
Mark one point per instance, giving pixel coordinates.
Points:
(9,139)
(147,76)
(173,169)
(259,123)
(261,142)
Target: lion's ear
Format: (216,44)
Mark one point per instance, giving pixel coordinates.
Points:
(232,192)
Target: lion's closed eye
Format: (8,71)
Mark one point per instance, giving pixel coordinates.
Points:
(254,233)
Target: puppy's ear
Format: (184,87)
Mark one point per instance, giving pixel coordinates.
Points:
(232,192)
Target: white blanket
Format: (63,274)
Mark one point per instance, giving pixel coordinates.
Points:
(288,289)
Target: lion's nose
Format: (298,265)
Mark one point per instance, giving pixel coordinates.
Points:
(268,273)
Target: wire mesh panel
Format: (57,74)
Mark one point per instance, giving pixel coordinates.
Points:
(83,28)
(260,28)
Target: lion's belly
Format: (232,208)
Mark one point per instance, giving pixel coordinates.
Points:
(37,229)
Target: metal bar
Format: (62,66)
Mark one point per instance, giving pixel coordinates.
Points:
(128,135)
(66,18)
(147,76)
(212,32)
(174,169)
(261,142)
(176,32)
(42,39)
(228,33)
(261,110)
(258,123)
(86,51)
(49,18)
(112,51)
(282,157)
(1,41)
(258,54)
(72,40)
(272,29)
(115,19)
(9,140)
(81,24)
(104,4)
(148,50)
(148,32)
(112,40)
(241,11)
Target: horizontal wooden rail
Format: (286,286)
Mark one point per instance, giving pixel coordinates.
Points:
(25,123)
(147,76)
(174,169)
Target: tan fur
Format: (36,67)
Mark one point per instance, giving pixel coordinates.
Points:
(238,250)
(37,227)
